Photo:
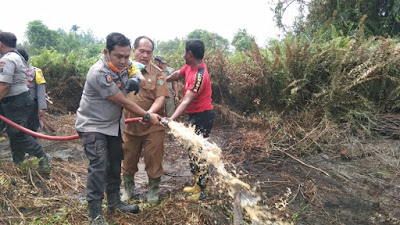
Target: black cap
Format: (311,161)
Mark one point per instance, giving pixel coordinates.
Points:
(8,39)
(160,58)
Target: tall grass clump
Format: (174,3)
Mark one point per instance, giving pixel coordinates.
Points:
(65,75)
(338,85)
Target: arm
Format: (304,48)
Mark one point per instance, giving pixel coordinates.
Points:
(143,81)
(174,76)
(133,69)
(41,98)
(157,104)
(4,89)
(40,91)
(175,86)
(120,99)
(6,76)
(187,99)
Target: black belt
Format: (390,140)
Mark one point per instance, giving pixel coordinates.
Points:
(12,98)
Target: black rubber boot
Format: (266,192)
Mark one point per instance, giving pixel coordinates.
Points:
(203,185)
(95,213)
(114,202)
(44,164)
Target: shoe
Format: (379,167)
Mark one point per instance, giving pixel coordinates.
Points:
(95,213)
(196,196)
(129,186)
(114,202)
(44,164)
(199,189)
(195,188)
(154,189)
(99,220)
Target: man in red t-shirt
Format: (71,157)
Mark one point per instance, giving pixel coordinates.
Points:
(197,104)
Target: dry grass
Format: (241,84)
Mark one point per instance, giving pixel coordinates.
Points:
(27,194)
(31,198)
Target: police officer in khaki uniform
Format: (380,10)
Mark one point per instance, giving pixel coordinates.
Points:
(37,88)
(100,123)
(148,137)
(17,103)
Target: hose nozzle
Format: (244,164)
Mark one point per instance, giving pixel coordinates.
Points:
(164,121)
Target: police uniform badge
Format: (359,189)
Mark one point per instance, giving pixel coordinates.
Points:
(160,80)
(108,79)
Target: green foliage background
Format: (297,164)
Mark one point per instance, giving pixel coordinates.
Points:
(337,66)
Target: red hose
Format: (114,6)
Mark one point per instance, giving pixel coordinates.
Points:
(135,119)
(26,130)
(44,121)
(48,137)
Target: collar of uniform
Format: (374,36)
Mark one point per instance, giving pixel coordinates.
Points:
(105,63)
(146,69)
(152,68)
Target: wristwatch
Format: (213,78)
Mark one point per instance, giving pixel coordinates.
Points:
(146,117)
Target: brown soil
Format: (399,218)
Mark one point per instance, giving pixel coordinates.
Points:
(359,185)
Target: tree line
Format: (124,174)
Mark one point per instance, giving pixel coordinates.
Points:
(338,62)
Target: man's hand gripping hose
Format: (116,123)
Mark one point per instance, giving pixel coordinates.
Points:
(164,121)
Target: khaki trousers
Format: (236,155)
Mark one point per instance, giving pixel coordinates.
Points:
(153,150)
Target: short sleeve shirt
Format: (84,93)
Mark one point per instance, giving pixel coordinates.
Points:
(95,112)
(13,71)
(155,87)
(168,71)
(198,82)
(34,77)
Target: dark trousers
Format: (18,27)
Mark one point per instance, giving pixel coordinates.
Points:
(104,171)
(33,120)
(17,108)
(203,123)
(2,123)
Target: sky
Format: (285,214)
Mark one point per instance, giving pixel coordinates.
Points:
(157,19)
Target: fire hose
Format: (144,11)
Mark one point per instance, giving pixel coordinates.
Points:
(49,137)
(44,121)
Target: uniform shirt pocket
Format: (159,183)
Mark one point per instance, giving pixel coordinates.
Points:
(150,82)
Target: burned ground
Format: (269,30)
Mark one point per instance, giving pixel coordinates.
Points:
(358,185)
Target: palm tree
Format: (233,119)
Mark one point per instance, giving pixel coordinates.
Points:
(75,28)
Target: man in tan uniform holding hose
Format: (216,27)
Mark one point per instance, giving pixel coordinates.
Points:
(137,136)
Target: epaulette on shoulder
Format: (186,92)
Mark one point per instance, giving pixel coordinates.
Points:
(155,66)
